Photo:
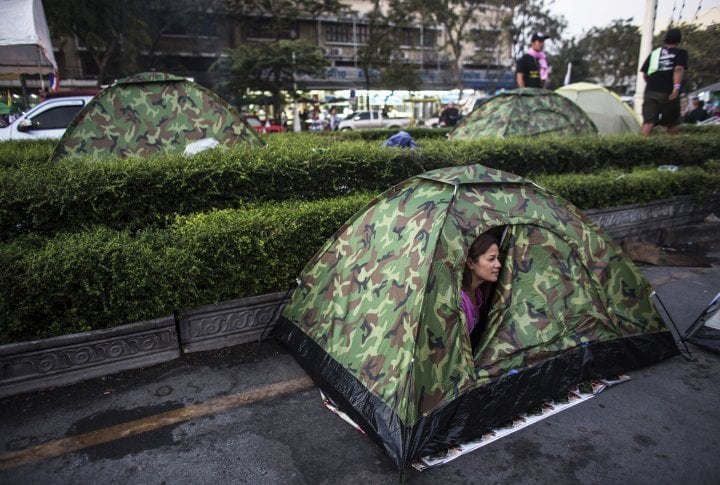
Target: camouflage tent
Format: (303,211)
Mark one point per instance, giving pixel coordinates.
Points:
(149,114)
(376,319)
(524,112)
(610,114)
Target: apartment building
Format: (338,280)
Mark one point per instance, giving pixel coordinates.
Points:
(190,48)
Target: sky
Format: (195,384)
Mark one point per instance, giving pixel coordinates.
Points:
(582,15)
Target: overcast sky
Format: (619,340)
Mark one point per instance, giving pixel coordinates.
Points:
(582,15)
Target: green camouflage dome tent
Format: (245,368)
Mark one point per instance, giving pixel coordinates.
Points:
(152,113)
(376,318)
(609,113)
(524,112)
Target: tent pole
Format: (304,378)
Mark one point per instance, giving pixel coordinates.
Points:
(681,337)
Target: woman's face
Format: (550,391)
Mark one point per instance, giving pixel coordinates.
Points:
(486,267)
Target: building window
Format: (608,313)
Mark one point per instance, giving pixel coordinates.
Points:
(428,38)
(338,32)
(196,24)
(409,37)
(363,33)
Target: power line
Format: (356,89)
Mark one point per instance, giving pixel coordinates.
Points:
(697,11)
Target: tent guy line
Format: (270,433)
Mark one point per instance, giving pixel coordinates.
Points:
(55,448)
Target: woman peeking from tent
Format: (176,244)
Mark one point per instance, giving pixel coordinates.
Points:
(482,268)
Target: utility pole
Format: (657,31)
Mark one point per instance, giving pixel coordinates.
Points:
(296,114)
(646,40)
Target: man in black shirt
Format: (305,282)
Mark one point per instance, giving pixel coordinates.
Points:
(663,71)
(450,115)
(532,68)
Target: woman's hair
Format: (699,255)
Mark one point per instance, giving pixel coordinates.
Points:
(479,246)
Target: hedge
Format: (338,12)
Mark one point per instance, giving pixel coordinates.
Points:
(101,277)
(47,198)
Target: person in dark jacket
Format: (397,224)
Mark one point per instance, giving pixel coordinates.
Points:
(450,115)
(697,113)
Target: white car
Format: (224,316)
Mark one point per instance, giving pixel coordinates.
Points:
(372,119)
(48,119)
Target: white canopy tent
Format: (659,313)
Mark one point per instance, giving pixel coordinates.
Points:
(25,46)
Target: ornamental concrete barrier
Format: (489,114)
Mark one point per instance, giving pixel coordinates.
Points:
(230,323)
(57,361)
(655,221)
(32,366)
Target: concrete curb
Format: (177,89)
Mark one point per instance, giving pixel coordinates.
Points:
(32,366)
(230,323)
(57,361)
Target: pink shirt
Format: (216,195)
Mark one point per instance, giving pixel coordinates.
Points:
(472,312)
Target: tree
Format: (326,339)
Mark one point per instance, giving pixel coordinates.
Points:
(576,55)
(377,50)
(112,32)
(164,15)
(703,54)
(400,76)
(492,41)
(611,54)
(456,17)
(280,16)
(273,67)
(505,23)
(525,17)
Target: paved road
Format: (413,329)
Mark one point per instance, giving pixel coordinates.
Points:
(249,414)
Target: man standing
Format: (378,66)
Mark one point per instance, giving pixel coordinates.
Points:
(334,119)
(532,68)
(663,71)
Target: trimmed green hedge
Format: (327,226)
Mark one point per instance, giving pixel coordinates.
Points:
(47,198)
(100,277)
(615,187)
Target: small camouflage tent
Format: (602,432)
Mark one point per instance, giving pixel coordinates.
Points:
(376,318)
(610,114)
(149,114)
(524,112)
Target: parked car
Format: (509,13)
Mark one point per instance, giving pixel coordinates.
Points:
(372,119)
(263,127)
(48,119)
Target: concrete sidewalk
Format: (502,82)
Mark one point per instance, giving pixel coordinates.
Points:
(258,420)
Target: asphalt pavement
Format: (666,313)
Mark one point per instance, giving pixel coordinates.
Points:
(249,414)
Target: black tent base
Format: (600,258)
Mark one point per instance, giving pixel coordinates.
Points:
(469,415)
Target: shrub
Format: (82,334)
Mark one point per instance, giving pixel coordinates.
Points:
(46,198)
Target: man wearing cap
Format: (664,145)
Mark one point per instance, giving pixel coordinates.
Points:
(532,68)
(663,71)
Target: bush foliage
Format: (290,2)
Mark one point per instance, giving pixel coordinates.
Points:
(45,198)
(95,244)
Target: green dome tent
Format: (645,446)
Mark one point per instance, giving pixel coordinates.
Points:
(152,113)
(376,318)
(524,112)
(609,113)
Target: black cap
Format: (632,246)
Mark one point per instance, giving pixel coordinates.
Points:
(538,36)
(673,36)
